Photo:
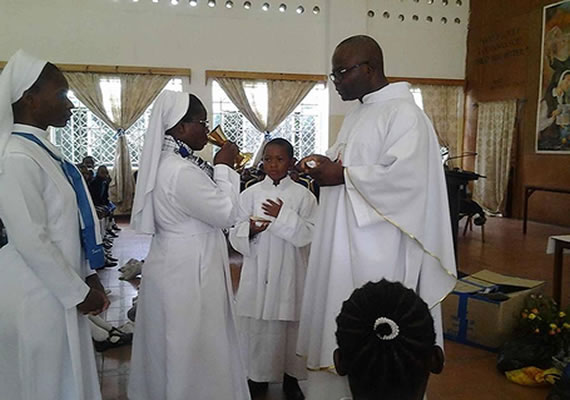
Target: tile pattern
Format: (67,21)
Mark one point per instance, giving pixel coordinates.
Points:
(468,370)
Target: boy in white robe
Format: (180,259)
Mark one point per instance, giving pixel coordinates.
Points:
(274,235)
(383,211)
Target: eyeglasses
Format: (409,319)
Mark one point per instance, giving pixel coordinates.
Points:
(338,75)
(205,123)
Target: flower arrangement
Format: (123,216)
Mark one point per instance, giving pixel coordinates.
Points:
(544,322)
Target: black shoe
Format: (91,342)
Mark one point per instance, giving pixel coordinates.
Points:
(115,227)
(111,258)
(111,233)
(109,264)
(116,339)
(257,388)
(107,246)
(291,388)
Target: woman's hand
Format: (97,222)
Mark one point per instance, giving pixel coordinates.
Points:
(227,154)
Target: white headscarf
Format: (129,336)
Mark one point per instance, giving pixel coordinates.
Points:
(167,111)
(21,72)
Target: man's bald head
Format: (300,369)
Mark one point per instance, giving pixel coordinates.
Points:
(358,67)
(368,48)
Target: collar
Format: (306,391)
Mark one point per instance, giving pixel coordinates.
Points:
(398,90)
(282,185)
(42,134)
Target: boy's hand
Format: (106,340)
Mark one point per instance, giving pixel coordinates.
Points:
(272,208)
(256,227)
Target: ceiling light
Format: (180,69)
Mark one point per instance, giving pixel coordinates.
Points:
(316,10)
(193,3)
(229,4)
(211,3)
(300,10)
(174,2)
(283,7)
(247,5)
(155,1)
(265,6)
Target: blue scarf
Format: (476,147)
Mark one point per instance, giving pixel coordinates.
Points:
(93,251)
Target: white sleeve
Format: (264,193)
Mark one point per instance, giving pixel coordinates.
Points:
(296,227)
(239,233)
(395,186)
(22,208)
(213,202)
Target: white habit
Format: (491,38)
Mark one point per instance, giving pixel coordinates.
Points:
(185,341)
(389,220)
(272,278)
(46,350)
(45,344)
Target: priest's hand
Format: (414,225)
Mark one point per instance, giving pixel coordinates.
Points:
(95,303)
(322,169)
(256,227)
(271,207)
(227,154)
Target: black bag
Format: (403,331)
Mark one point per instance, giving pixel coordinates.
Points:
(524,352)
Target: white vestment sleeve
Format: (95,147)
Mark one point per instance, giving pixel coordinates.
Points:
(213,203)
(396,179)
(296,228)
(25,217)
(239,234)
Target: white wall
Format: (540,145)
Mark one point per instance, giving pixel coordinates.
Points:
(122,32)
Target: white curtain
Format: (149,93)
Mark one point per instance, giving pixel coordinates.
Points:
(119,110)
(495,130)
(282,99)
(444,105)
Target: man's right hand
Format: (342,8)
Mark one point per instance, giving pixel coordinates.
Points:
(227,154)
(94,303)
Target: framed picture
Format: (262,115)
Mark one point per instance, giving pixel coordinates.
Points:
(553,120)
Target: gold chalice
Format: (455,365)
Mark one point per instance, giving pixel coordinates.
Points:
(218,138)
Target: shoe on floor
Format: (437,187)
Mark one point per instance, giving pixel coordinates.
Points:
(257,388)
(291,388)
(116,338)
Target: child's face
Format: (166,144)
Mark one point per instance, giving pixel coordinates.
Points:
(276,162)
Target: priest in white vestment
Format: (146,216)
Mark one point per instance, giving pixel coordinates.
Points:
(383,210)
(185,341)
(46,351)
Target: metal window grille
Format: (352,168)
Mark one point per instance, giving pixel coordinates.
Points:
(86,134)
(302,127)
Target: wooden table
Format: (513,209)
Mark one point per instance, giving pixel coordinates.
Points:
(529,190)
(556,245)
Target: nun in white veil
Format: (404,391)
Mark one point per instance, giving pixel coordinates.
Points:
(185,345)
(46,350)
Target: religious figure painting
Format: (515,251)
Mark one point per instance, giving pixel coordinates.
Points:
(553,121)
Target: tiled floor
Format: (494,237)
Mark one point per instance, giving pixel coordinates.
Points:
(469,373)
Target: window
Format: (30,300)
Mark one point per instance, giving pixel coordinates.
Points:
(306,127)
(86,134)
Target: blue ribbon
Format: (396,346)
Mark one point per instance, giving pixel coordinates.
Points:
(93,251)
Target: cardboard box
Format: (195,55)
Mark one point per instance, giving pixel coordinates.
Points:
(484,308)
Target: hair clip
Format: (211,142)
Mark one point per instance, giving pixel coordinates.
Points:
(395,329)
